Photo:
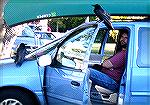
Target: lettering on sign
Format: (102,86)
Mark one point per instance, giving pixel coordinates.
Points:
(52,14)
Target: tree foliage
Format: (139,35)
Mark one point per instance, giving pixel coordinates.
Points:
(65,23)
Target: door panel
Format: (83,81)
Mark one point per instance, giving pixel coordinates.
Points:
(140,86)
(65,85)
(140,80)
(67,80)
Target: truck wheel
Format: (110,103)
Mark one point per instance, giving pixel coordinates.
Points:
(15,97)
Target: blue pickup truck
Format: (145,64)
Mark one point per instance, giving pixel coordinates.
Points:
(57,73)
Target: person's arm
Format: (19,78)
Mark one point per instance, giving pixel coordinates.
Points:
(107,64)
(116,61)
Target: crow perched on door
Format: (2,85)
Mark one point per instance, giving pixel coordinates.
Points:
(20,55)
(103,16)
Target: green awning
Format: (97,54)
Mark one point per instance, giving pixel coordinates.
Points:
(17,11)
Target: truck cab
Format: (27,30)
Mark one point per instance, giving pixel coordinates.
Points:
(58,72)
(134,83)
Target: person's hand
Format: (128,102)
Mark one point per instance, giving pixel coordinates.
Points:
(107,64)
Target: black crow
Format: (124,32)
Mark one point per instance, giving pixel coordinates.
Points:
(20,55)
(103,16)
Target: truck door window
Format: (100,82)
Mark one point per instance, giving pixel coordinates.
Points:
(143,53)
(110,45)
(98,40)
(72,52)
(95,57)
(109,48)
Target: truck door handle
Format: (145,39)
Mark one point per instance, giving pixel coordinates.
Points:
(75,83)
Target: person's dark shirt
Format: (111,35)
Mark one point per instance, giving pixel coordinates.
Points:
(118,62)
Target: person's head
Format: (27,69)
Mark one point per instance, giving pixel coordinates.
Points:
(124,38)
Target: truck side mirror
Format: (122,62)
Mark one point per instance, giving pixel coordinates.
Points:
(44,60)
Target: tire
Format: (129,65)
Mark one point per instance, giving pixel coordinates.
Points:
(15,97)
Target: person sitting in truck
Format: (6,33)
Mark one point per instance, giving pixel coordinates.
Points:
(109,73)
